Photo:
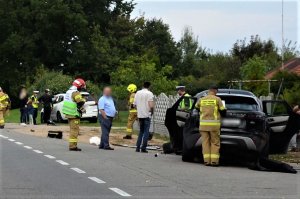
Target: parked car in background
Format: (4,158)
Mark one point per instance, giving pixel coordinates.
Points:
(90,106)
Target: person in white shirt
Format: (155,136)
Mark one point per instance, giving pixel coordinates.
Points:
(144,103)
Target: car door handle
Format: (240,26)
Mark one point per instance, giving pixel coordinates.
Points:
(271,120)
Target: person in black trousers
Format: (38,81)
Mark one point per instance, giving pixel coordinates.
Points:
(23,97)
(46,100)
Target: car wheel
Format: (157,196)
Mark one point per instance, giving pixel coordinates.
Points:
(59,118)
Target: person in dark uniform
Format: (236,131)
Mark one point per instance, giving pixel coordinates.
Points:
(46,100)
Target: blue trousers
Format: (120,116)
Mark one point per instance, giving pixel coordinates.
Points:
(144,133)
(105,129)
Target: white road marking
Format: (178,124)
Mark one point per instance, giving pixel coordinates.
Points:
(120,192)
(37,151)
(49,156)
(78,170)
(97,180)
(19,143)
(3,136)
(62,162)
(12,140)
(28,147)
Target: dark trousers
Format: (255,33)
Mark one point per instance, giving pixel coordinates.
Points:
(24,115)
(35,114)
(105,129)
(144,133)
(47,113)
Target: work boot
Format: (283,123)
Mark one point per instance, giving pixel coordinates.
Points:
(127,137)
(144,151)
(206,163)
(75,149)
(1,127)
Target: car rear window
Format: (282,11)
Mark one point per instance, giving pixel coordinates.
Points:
(240,103)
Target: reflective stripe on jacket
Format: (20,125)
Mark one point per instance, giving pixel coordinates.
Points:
(4,101)
(34,100)
(210,117)
(69,105)
(187,102)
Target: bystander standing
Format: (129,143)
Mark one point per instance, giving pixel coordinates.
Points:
(144,103)
(107,112)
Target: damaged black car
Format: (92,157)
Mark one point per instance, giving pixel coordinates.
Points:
(250,131)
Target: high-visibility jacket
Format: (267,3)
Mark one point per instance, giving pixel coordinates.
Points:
(34,100)
(132,109)
(71,99)
(4,101)
(210,117)
(187,102)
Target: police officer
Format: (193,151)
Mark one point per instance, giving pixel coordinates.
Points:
(4,106)
(132,117)
(211,108)
(73,109)
(33,107)
(46,100)
(187,102)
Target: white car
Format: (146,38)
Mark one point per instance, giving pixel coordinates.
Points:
(90,107)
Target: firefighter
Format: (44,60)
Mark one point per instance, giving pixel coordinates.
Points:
(187,102)
(73,109)
(211,109)
(4,107)
(132,117)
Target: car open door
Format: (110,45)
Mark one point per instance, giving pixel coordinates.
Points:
(176,117)
(282,123)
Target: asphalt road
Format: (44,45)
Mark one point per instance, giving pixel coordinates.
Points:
(39,168)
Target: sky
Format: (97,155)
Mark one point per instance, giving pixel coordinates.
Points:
(218,24)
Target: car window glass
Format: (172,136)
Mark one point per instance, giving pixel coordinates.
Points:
(276,109)
(240,103)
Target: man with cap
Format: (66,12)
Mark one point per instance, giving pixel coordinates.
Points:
(211,108)
(4,106)
(187,102)
(46,100)
(33,107)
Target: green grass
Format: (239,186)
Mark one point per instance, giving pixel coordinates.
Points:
(120,121)
(13,117)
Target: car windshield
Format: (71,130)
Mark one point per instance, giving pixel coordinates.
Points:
(240,103)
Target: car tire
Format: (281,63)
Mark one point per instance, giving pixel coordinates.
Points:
(187,155)
(59,118)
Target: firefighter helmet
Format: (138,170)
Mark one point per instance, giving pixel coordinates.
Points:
(79,83)
(132,88)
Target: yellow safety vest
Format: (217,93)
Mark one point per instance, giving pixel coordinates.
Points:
(186,103)
(34,101)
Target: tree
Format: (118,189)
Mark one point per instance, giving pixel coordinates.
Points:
(255,69)
(138,70)
(155,35)
(243,51)
(191,54)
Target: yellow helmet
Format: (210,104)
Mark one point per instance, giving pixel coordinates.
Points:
(132,88)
